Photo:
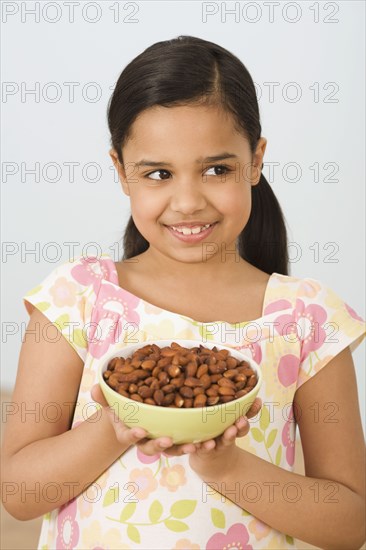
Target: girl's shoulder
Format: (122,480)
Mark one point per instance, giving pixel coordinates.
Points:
(285,291)
(310,315)
(314,303)
(69,292)
(308,289)
(89,270)
(81,271)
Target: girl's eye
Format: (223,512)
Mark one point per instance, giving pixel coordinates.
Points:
(220,167)
(223,169)
(155,172)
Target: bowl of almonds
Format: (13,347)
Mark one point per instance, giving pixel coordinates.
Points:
(183,389)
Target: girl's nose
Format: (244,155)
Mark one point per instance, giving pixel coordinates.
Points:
(188,196)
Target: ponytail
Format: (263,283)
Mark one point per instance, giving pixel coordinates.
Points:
(133,242)
(263,241)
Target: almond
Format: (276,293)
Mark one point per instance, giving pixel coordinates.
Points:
(178,377)
(200,400)
(148,365)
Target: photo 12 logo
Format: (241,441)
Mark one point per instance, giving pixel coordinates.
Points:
(269,12)
(70,12)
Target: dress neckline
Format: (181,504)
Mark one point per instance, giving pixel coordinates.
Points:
(190,319)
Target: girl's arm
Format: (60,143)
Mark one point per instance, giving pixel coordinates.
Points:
(44,463)
(326,507)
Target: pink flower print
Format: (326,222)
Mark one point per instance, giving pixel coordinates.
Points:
(285,324)
(306,323)
(309,289)
(145,482)
(85,507)
(254,348)
(95,538)
(119,301)
(173,477)
(288,368)
(237,537)
(259,529)
(275,377)
(314,336)
(63,292)
(105,330)
(288,438)
(278,305)
(92,270)
(67,527)
(342,316)
(353,313)
(115,306)
(147,459)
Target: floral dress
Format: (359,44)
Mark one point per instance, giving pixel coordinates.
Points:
(159,502)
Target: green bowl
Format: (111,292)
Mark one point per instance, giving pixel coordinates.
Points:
(188,425)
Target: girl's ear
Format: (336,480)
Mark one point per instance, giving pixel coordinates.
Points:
(120,170)
(258,160)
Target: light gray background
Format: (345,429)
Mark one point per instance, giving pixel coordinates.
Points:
(311,130)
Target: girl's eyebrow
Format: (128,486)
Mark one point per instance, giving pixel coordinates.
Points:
(221,156)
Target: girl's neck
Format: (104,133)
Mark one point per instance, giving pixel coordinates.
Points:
(214,270)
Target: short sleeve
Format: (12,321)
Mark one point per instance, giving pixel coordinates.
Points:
(326,326)
(65,298)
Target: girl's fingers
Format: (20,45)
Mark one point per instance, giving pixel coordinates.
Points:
(243,429)
(255,408)
(207,446)
(229,435)
(239,429)
(148,446)
(179,450)
(242,425)
(137,436)
(154,446)
(129,435)
(124,434)
(98,396)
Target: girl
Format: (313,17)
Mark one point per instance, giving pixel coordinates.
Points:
(205,258)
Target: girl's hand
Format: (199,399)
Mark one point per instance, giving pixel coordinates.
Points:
(221,446)
(213,457)
(226,439)
(130,436)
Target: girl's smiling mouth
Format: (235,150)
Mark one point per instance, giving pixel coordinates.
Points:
(191,232)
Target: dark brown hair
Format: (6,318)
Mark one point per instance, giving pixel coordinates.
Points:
(189,70)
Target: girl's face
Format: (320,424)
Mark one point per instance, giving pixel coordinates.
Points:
(170,179)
